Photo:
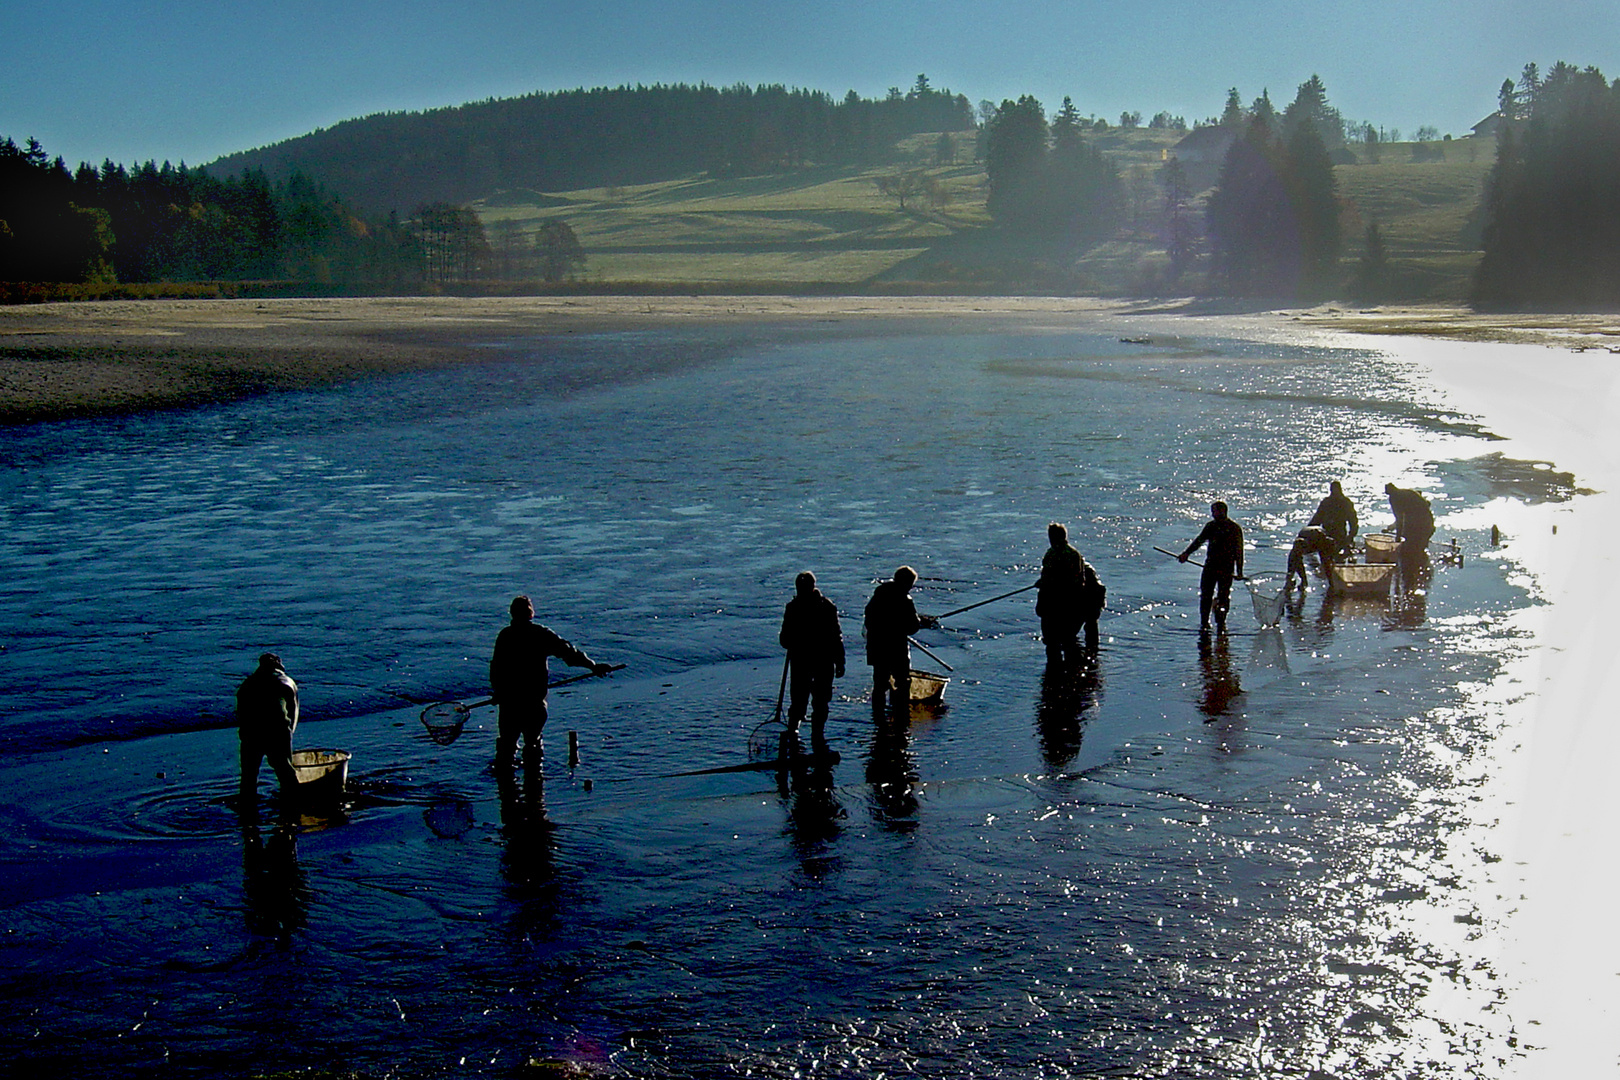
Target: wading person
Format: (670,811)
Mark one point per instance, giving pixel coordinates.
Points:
(1336,514)
(518,673)
(1069,598)
(1223,563)
(815,654)
(1414,518)
(1312,540)
(266,714)
(891,619)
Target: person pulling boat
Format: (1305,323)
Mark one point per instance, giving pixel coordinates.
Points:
(1336,514)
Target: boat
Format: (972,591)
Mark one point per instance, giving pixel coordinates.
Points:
(1381,547)
(927,687)
(1361,579)
(321,773)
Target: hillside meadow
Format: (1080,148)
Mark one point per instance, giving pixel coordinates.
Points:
(833,226)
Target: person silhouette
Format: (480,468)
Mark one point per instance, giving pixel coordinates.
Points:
(518,674)
(1222,564)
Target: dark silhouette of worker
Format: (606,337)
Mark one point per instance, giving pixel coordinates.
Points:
(518,674)
(1336,514)
(1312,541)
(1223,563)
(1069,598)
(891,619)
(266,714)
(1414,518)
(815,653)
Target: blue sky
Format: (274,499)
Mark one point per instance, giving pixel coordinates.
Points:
(190,81)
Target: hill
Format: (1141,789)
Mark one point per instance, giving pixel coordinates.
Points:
(832,226)
(396,162)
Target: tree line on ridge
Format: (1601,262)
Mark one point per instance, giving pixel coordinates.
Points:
(1273,223)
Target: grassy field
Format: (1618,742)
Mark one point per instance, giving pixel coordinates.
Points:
(834,226)
(1425,212)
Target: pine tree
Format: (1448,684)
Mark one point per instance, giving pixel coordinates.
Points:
(1014,161)
(1371,283)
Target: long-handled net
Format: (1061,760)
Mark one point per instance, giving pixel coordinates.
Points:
(1268,607)
(445,719)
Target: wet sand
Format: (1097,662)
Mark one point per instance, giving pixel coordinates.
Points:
(1551,384)
(104,358)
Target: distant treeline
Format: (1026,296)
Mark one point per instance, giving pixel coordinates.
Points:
(590,138)
(169,223)
(1552,203)
(1271,223)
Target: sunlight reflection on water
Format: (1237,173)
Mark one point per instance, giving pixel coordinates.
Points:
(1189,861)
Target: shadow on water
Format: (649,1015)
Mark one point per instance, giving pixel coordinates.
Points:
(1067,691)
(891,770)
(1220,685)
(814,812)
(1269,651)
(529,858)
(275,890)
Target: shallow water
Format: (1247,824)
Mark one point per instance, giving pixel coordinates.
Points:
(1194,860)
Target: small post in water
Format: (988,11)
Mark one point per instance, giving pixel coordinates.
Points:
(573,749)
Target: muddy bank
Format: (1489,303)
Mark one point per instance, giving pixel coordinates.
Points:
(104,358)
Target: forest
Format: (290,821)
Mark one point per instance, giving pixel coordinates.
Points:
(590,138)
(1552,202)
(398,202)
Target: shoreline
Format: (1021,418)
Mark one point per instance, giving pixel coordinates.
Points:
(1560,403)
(1556,942)
(106,358)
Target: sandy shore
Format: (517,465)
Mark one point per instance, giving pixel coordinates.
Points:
(1548,383)
(86,359)
(1559,943)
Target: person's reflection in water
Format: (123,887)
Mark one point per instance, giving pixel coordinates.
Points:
(892,772)
(1067,691)
(1221,687)
(528,864)
(1409,600)
(274,888)
(1416,568)
(813,809)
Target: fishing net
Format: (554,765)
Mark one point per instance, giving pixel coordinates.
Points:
(444,721)
(1268,607)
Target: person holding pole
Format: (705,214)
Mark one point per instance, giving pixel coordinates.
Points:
(1222,564)
(815,655)
(1069,598)
(891,619)
(518,674)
